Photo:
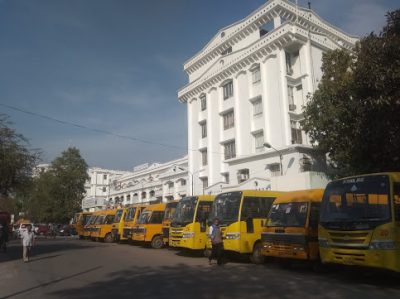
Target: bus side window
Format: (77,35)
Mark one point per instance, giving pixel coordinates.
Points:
(314,215)
(396,198)
(157,217)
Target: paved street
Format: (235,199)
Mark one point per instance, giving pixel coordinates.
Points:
(70,268)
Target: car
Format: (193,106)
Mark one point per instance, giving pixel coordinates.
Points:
(63,230)
(41,229)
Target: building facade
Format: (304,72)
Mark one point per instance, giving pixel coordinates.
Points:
(146,184)
(244,100)
(98,188)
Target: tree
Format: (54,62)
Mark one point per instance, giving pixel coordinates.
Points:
(69,174)
(58,192)
(16,161)
(353,116)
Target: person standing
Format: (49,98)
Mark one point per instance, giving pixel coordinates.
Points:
(216,242)
(28,239)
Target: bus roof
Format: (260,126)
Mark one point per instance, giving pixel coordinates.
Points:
(394,175)
(260,193)
(156,207)
(313,195)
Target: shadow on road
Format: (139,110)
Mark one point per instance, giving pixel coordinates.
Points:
(51,282)
(231,281)
(42,247)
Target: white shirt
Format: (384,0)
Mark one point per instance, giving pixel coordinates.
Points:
(27,238)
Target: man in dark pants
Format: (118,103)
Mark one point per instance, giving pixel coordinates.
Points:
(216,242)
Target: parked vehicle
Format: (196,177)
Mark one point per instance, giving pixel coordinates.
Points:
(131,216)
(118,224)
(291,231)
(79,222)
(63,230)
(41,229)
(89,226)
(168,214)
(360,221)
(101,230)
(242,214)
(148,229)
(189,224)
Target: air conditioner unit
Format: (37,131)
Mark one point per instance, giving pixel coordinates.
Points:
(292,107)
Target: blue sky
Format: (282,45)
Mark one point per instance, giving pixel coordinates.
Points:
(115,65)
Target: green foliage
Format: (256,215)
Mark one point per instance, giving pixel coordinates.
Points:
(353,116)
(57,193)
(16,163)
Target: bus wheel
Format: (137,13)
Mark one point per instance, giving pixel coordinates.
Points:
(108,238)
(257,256)
(157,242)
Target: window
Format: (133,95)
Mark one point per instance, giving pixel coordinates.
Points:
(104,176)
(226,51)
(256,75)
(230,150)
(256,207)
(204,161)
(275,169)
(104,189)
(203,102)
(229,120)
(257,107)
(228,90)
(290,95)
(396,197)
(205,182)
(156,217)
(259,141)
(289,70)
(226,177)
(203,129)
(243,175)
(296,132)
(183,182)
(143,195)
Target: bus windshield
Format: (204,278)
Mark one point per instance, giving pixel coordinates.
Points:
(130,214)
(226,207)
(170,210)
(292,214)
(144,217)
(185,210)
(100,219)
(118,216)
(356,203)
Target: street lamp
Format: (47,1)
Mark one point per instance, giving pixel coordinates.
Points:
(267,145)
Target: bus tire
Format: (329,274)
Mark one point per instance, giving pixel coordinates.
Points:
(257,257)
(157,242)
(108,238)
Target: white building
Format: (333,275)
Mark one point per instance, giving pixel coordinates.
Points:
(151,183)
(246,88)
(98,188)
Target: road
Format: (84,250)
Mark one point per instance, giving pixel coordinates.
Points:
(71,268)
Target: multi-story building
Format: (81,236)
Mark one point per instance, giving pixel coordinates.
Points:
(244,100)
(151,183)
(98,188)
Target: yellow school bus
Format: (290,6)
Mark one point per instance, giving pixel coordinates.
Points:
(149,226)
(242,214)
(360,221)
(80,221)
(102,226)
(189,224)
(118,225)
(88,227)
(131,216)
(169,212)
(292,227)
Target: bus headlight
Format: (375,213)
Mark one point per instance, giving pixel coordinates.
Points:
(323,242)
(187,235)
(383,245)
(233,236)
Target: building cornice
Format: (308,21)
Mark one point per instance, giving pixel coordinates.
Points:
(254,53)
(288,10)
